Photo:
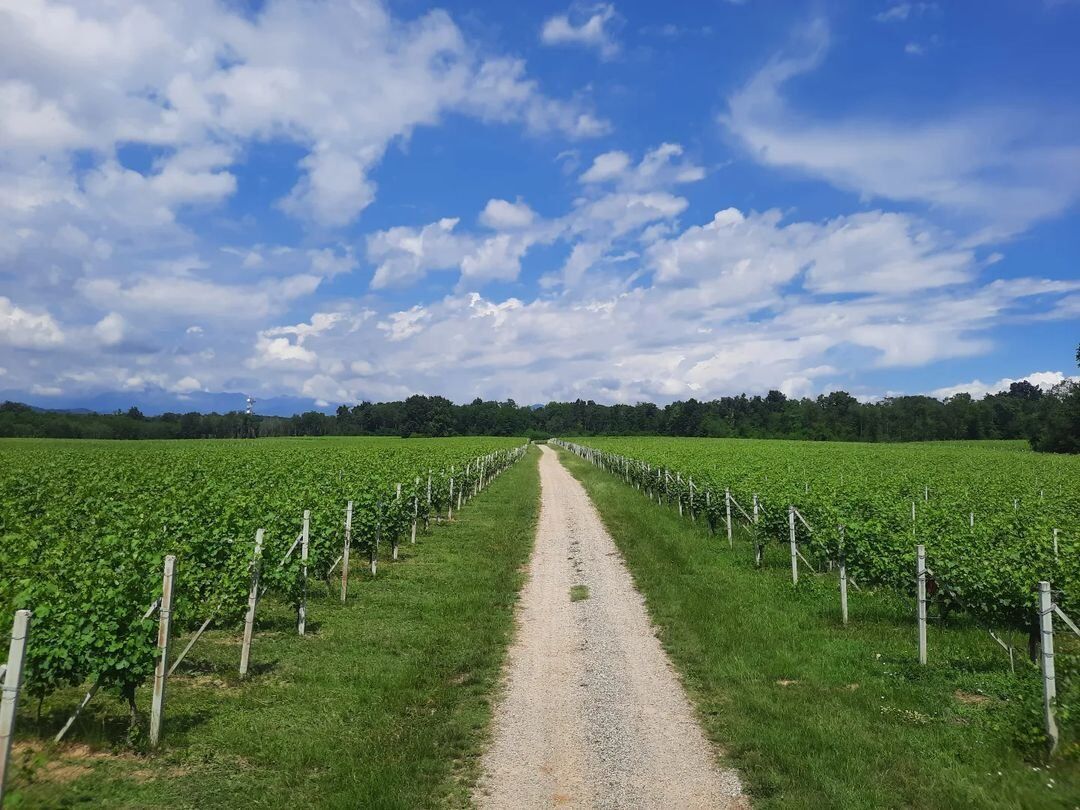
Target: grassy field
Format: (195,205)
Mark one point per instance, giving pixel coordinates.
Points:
(384,704)
(818,715)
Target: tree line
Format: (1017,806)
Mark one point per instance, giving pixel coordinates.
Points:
(1049,420)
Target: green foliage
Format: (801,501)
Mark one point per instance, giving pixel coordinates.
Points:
(859,501)
(813,713)
(86,526)
(385,705)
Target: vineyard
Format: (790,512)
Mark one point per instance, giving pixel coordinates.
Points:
(86,527)
(994,520)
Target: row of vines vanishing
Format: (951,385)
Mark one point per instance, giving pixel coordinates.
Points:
(85,527)
(995,520)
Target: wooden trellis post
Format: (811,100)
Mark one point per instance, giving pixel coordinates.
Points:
(10,684)
(161,673)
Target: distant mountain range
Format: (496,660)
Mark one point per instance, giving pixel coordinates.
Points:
(154,401)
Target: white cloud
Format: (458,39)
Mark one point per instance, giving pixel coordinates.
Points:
(405,254)
(895,13)
(899,12)
(181,295)
(608,166)
(978,389)
(659,168)
(110,329)
(586,27)
(23,329)
(280,352)
(998,169)
(502,215)
(189,78)
(186,385)
(402,325)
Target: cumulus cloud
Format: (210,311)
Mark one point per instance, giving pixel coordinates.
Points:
(191,78)
(587,26)
(978,389)
(502,215)
(110,329)
(20,328)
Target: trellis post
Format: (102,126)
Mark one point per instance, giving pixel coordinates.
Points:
(727,507)
(794,548)
(253,601)
(12,682)
(843,580)
(161,673)
(345,551)
(301,612)
(415,507)
(1046,632)
(758,546)
(920,569)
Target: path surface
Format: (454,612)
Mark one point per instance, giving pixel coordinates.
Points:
(593,714)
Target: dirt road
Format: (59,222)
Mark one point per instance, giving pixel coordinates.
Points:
(593,714)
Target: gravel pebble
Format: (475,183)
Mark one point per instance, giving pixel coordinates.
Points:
(593,714)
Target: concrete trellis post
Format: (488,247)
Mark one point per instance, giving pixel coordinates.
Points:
(161,669)
(450,507)
(920,569)
(378,537)
(415,507)
(253,601)
(1055,542)
(9,696)
(301,611)
(727,509)
(758,546)
(843,580)
(794,547)
(1046,634)
(345,551)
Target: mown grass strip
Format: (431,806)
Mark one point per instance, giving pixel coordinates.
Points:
(385,703)
(816,715)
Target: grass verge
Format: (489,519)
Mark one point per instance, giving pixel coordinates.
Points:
(816,714)
(385,703)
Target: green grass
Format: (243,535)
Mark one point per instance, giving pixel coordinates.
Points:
(384,704)
(579,592)
(818,715)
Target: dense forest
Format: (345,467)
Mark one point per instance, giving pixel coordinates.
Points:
(1050,420)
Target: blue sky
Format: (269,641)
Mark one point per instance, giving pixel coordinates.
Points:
(619,201)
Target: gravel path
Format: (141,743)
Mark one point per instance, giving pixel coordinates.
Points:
(593,715)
